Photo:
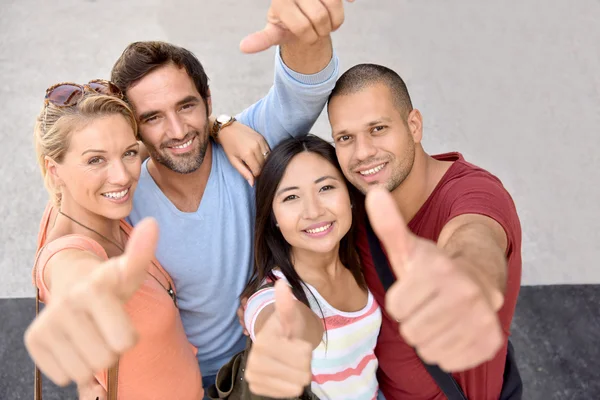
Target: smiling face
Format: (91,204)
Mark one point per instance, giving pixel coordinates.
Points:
(172,118)
(375,143)
(312,204)
(101,167)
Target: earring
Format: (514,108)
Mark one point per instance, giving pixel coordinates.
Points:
(351,205)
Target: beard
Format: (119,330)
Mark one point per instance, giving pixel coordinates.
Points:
(400,170)
(184,163)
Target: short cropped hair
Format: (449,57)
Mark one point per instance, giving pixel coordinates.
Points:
(362,76)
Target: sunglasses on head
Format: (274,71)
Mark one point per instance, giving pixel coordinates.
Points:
(68,94)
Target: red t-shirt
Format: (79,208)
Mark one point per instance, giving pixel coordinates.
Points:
(464,189)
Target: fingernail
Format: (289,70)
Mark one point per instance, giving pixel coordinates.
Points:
(250,182)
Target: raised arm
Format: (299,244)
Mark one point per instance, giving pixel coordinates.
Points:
(305,71)
(290,108)
(293,103)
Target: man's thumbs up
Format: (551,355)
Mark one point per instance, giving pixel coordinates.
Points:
(391,229)
(271,35)
(441,309)
(86,328)
(307,21)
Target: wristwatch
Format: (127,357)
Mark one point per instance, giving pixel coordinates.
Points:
(221,122)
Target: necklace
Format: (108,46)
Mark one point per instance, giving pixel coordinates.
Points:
(169,290)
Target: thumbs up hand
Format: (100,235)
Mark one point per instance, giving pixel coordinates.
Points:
(307,20)
(84,330)
(279,361)
(286,312)
(443,312)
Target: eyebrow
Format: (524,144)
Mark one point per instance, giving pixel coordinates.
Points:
(379,121)
(321,179)
(370,124)
(188,99)
(104,151)
(147,115)
(185,100)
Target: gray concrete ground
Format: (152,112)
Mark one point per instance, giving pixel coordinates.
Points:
(557,356)
(513,85)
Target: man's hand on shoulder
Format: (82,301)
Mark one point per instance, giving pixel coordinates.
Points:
(245,148)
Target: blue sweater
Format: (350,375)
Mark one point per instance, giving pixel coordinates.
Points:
(209,253)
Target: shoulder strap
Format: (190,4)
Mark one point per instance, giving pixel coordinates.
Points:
(112,380)
(38,375)
(444,380)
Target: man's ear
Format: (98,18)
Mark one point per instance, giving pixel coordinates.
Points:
(208,103)
(415,125)
(52,172)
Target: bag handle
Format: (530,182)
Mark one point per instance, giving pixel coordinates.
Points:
(113,372)
(444,380)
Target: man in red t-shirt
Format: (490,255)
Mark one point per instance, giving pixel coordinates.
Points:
(458,265)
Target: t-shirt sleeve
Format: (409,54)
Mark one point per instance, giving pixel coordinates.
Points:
(54,247)
(256,303)
(293,103)
(485,195)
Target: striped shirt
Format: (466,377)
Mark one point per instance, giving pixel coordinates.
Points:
(344,364)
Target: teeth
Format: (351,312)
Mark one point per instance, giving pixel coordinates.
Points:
(318,230)
(116,195)
(372,170)
(183,146)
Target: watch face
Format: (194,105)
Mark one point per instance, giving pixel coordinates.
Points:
(223,118)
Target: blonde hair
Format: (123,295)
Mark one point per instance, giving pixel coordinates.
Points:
(55,125)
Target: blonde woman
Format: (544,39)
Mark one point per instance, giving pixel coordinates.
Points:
(107,297)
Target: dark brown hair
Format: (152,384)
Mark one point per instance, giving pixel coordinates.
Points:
(140,58)
(270,248)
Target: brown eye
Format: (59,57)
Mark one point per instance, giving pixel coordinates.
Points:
(290,197)
(94,160)
(187,106)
